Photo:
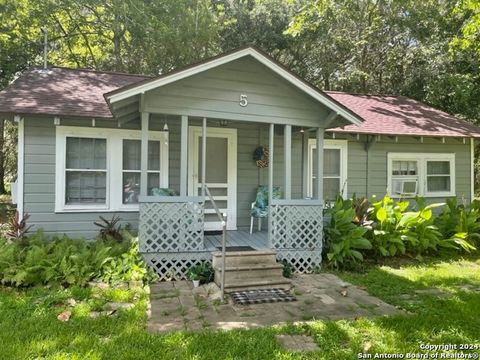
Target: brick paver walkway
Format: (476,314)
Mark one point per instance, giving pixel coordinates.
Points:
(177,306)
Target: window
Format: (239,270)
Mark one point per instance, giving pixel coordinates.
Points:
(404,177)
(88,179)
(86,171)
(131,169)
(334,168)
(411,174)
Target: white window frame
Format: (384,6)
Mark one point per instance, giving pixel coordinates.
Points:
(341,145)
(114,138)
(421,159)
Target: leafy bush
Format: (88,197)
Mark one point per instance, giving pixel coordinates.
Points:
(287,270)
(109,229)
(16,228)
(202,271)
(398,231)
(344,239)
(386,235)
(460,225)
(66,261)
(396,228)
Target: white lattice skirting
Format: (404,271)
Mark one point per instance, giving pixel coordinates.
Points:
(296,233)
(174,266)
(171,227)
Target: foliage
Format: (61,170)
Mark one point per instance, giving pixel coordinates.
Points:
(65,261)
(386,236)
(202,271)
(126,264)
(344,239)
(397,228)
(287,270)
(460,225)
(361,206)
(33,331)
(17,228)
(109,228)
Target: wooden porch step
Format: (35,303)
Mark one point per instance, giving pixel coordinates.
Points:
(253,272)
(249,284)
(245,270)
(244,258)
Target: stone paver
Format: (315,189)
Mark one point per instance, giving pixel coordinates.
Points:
(297,342)
(178,306)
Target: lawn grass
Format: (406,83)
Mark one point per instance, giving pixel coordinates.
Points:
(29,327)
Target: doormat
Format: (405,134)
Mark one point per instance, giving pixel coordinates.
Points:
(261,296)
(236,248)
(212,232)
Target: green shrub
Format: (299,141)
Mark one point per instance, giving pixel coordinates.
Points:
(202,271)
(460,225)
(386,236)
(287,270)
(40,261)
(399,231)
(344,239)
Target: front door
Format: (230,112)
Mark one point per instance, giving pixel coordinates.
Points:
(220,173)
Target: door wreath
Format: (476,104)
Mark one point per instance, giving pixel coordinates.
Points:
(260,155)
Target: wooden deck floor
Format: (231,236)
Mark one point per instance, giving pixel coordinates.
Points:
(257,240)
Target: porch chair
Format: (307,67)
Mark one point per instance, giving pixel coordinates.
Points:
(259,207)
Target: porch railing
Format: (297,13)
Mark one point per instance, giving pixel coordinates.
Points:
(169,224)
(296,232)
(223,221)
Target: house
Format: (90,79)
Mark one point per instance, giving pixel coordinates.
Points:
(97,143)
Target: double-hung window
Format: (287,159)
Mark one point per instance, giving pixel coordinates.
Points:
(334,168)
(100,169)
(424,174)
(131,163)
(85,172)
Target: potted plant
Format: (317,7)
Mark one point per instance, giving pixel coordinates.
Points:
(200,273)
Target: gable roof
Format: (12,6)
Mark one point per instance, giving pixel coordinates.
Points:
(265,59)
(80,92)
(399,115)
(63,92)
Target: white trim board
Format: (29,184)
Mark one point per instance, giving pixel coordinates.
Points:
(114,168)
(272,65)
(422,159)
(194,136)
(472,169)
(342,145)
(20,165)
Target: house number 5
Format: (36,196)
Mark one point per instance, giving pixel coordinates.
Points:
(243,100)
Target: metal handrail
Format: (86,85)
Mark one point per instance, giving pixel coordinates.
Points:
(223,221)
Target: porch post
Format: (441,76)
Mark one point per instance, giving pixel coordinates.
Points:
(305,157)
(287,148)
(144,154)
(320,134)
(204,151)
(184,156)
(270,182)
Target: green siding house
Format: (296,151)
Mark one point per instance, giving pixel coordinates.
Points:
(95,144)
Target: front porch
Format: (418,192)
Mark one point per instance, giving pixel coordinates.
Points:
(174,230)
(244,99)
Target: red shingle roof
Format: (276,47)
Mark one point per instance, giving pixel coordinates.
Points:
(399,115)
(60,91)
(76,92)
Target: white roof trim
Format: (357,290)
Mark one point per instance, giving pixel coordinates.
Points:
(325,100)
